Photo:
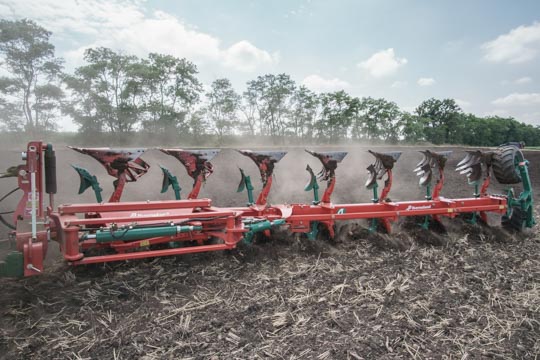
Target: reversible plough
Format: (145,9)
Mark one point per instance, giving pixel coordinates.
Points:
(114,230)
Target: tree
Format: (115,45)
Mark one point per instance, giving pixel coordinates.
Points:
(197,125)
(170,90)
(444,119)
(377,119)
(337,112)
(412,128)
(222,109)
(248,108)
(106,93)
(11,112)
(304,108)
(30,96)
(272,95)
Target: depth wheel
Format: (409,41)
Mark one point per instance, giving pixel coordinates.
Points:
(505,164)
(516,220)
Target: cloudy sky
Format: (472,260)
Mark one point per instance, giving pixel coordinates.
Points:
(483,53)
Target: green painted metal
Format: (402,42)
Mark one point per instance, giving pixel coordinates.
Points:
(474,219)
(476,190)
(170,180)
(428,192)
(312,235)
(474,216)
(425,224)
(375,193)
(131,234)
(525,199)
(13,265)
(245,183)
(312,185)
(374,223)
(259,226)
(88,180)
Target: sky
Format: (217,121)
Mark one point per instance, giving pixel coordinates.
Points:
(483,53)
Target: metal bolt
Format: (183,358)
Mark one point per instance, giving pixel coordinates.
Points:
(32,267)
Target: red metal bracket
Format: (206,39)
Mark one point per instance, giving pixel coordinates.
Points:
(197,164)
(265,161)
(124,164)
(330,160)
(424,169)
(34,161)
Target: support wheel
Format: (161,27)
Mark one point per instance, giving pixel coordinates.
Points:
(516,221)
(505,163)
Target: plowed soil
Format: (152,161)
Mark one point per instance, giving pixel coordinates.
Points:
(457,291)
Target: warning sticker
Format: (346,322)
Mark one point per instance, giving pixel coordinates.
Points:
(28,207)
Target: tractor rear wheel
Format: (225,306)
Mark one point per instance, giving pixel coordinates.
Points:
(505,164)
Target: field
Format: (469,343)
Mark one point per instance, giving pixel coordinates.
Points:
(465,292)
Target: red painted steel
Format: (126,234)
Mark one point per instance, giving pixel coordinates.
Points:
(71,224)
(152,253)
(263,196)
(134,205)
(194,193)
(226,223)
(34,163)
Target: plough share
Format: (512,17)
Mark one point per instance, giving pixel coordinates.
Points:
(115,230)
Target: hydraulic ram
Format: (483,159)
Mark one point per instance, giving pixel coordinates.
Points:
(131,234)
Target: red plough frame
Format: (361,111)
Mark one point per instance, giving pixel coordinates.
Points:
(143,229)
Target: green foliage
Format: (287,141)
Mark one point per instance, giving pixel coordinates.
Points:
(442,119)
(29,99)
(116,93)
(197,125)
(105,94)
(223,104)
(494,130)
(412,128)
(376,119)
(170,89)
(337,113)
(303,113)
(272,95)
(249,110)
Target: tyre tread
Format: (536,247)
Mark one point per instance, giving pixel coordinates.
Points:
(504,167)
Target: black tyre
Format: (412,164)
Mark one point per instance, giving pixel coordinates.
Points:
(505,162)
(516,220)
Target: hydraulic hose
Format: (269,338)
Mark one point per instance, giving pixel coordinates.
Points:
(50,170)
(2,220)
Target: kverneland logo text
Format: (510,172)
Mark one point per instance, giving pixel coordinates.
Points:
(421,207)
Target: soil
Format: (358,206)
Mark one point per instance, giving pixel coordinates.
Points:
(456,291)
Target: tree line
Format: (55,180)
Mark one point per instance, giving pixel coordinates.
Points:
(161,94)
